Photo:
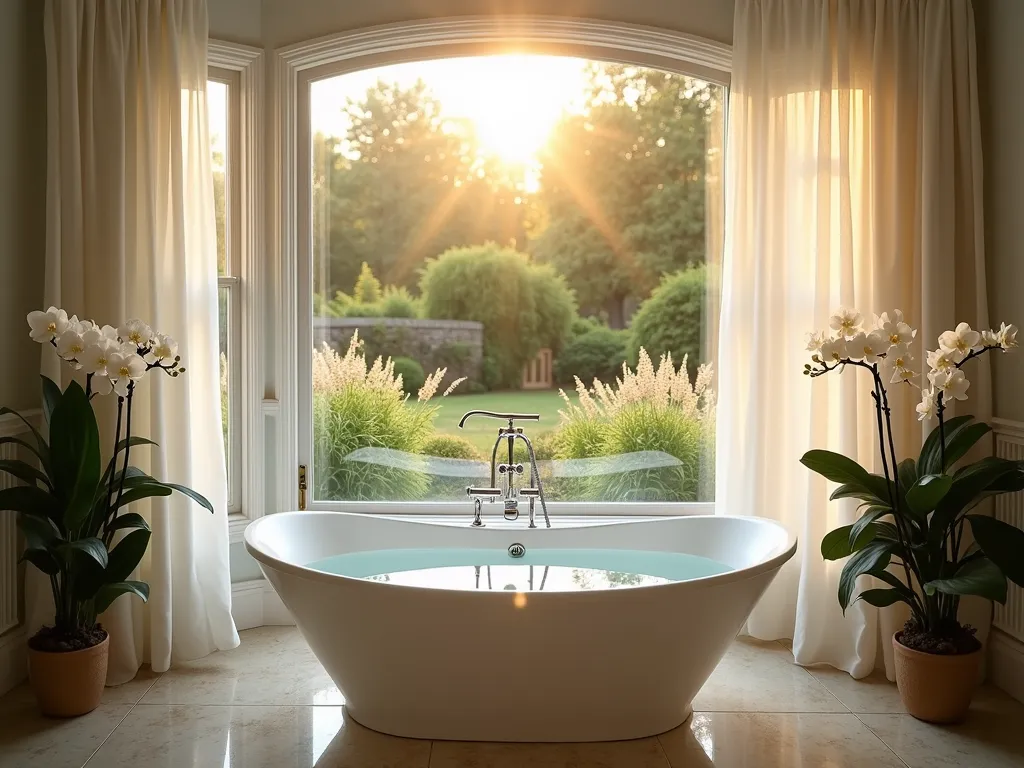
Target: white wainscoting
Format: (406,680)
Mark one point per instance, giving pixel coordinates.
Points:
(1006,644)
(13,658)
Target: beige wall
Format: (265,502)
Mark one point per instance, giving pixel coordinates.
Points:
(238,21)
(283,22)
(22,195)
(1000,29)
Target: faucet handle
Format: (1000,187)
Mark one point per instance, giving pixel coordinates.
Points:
(478,492)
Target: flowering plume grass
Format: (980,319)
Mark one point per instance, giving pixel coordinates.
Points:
(656,409)
(356,405)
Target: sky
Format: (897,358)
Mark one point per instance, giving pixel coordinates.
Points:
(514,100)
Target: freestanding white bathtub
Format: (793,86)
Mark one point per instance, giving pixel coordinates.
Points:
(515,665)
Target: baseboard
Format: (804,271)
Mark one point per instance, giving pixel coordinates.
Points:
(13,659)
(256,604)
(1006,663)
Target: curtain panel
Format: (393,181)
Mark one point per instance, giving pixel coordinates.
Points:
(131,233)
(853,178)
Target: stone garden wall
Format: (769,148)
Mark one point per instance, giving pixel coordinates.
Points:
(453,344)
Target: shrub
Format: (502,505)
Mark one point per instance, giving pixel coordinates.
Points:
(490,370)
(454,353)
(595,354)
(452,487)
(544,446)
(358,309)
(357,406)
(451,447)
(322,307)
(413,377)
(651,410)
(669,322)
(582,325)
(522,306)
(367,289)
(398,302)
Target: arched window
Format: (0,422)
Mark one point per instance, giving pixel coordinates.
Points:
(500,202)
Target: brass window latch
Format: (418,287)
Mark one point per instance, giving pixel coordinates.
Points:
(302,486)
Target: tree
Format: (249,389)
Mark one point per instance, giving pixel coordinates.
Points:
(367,287)
(622,185)
(404,184)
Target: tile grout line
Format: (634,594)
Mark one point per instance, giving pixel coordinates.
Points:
(825,688)
(815,679)
(887,745)
(119,722)
(107,737)
(664,752)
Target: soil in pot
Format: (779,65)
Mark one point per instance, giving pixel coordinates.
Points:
(937,686)
(52,640)
(953,640)
(68,680)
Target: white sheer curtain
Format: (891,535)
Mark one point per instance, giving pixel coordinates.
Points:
(131,233)
(853,178)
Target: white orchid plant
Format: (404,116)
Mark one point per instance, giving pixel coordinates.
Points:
(914,514)
(112,359)
(72,511)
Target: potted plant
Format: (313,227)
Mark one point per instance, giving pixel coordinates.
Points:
(72,507)
(912,532)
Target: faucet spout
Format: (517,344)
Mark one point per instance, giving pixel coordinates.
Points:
(497,415)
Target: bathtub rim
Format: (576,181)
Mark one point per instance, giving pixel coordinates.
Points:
(785,552)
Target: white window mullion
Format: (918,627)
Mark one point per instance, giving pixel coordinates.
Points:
(240,68)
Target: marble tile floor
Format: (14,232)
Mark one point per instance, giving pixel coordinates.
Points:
(269,704)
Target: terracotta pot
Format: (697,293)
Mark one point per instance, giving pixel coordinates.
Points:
(934,687)
(71,683)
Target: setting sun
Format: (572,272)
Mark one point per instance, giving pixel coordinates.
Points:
(513,101)
(516,101)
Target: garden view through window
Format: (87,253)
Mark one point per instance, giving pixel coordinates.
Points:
(521,233)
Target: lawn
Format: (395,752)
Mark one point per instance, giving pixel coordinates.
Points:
(482,431)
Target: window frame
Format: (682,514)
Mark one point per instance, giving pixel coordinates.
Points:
(231,282)
(296,66)
(241,68)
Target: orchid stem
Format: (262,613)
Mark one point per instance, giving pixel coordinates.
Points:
(113,467)
(891,486)
(127,446)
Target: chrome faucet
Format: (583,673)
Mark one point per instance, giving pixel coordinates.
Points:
(510,469)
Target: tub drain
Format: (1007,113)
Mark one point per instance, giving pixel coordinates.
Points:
(516,550)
